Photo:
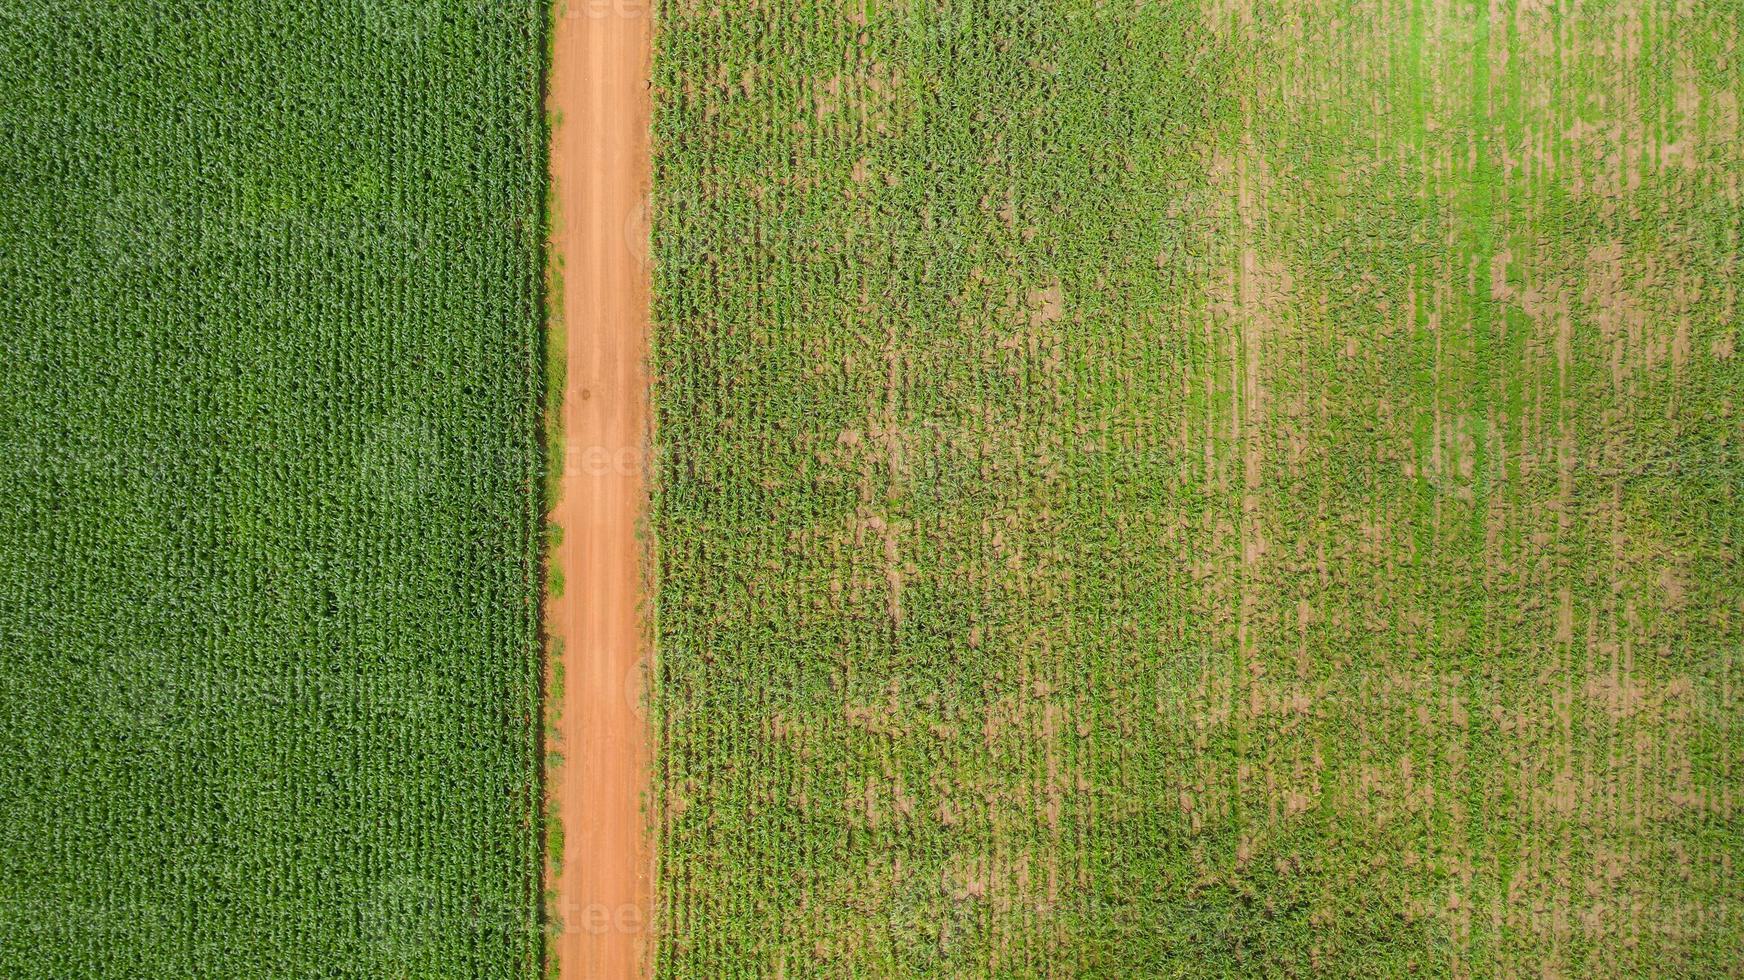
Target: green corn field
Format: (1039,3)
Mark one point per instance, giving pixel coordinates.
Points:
(1140,488)
(270,315)
(1176,489)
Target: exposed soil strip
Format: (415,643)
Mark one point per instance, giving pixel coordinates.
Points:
(599,102)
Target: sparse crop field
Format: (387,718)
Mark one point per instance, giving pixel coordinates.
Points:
(1157,489)
(270,279)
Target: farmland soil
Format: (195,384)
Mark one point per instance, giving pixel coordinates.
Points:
(598,99)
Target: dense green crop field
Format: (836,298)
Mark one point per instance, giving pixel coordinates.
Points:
(1162,489)
(270,278)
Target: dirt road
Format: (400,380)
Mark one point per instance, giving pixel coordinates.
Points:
(599,163)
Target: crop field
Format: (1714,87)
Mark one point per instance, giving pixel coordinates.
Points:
(1176,489)
(270,324)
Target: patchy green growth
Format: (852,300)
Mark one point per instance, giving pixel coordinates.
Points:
(1160,489)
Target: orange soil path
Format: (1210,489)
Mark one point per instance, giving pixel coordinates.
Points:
(598,95)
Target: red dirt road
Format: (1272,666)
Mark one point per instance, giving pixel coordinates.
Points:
(599,99)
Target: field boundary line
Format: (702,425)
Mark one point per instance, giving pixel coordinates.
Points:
(599,883)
